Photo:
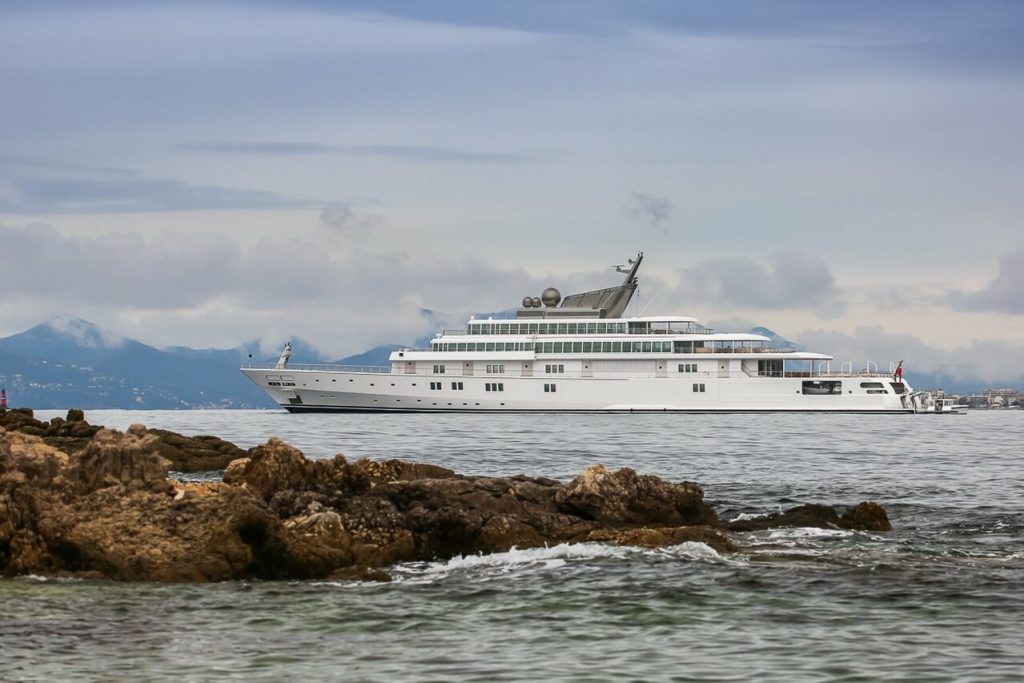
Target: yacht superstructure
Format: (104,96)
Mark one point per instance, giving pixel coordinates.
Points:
(579,354)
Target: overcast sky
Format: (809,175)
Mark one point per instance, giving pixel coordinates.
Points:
(847,174)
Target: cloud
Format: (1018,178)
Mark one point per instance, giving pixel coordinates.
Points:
(1004,294)
(343,218)
(978,362)
(207,289)
(415,153)
(791,280)
(40,264)
(112,193)
(267,148)
(648,208)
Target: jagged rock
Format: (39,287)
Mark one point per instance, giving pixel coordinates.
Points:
(865,516)
(186,453)
(107,509)
(624,497)
(113,459)
(667,536)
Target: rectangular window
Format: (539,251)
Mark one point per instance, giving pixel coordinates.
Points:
(591,328)
(587,347)
(577,347)
(822,388)
(501,386)
(438,369)
(616,347)
(558,347)
(457,386)
(549,388)
(699,388)
(487,386)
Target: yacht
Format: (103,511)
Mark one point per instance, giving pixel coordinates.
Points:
(581,353)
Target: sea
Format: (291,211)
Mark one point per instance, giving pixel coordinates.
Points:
(940,598)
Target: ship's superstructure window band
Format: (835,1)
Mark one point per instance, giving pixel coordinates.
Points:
(743,346)
(575,328)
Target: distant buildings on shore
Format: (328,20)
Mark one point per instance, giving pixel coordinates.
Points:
(990,399)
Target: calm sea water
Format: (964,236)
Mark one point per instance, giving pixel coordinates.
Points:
(940,598)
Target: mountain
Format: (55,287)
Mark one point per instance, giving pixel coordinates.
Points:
(70,362)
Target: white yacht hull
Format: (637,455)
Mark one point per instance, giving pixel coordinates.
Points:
(341,391)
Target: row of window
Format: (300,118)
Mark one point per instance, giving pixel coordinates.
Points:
(495,369)
(550,328)
(596,327)
(604,346)
(494,386)
(687,367)
(699,388)
(551,367)
(549,388)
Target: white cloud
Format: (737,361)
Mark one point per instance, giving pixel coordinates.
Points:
(1005,293)
(791,280)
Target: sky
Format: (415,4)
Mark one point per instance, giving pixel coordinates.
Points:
(847,174)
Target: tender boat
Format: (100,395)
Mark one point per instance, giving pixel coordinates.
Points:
(579,354)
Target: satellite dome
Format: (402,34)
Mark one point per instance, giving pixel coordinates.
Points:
(551,297)
(527,302)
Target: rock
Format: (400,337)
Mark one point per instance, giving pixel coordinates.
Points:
(116,459)
(105,508)
(667,536)
(76,415)
(624,497)
(866,516)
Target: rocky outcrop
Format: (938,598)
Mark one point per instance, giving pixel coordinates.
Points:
(107,508)
(73,433)
(863,516)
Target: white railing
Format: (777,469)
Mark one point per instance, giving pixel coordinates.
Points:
(321,367)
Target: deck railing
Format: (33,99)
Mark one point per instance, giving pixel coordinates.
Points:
(321,367)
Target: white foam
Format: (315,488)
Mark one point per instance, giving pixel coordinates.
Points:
(808,532)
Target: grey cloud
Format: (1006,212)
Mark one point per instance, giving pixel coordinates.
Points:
(116,270)
(417,153)
(265,148)
(1004,294)
(648,208)
(345,301)
(81,194)
(982,361)
(342,217)
(791,280)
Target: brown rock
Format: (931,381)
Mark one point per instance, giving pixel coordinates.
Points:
(867,516)
(665,536)
(624,497)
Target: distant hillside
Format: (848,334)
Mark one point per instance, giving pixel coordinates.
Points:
(71,362)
